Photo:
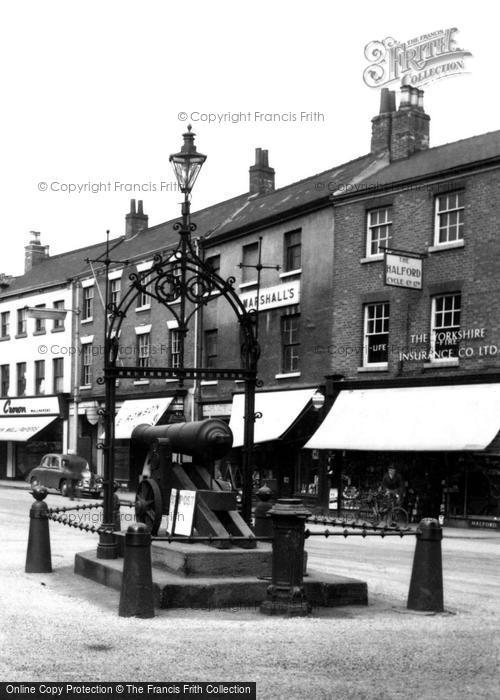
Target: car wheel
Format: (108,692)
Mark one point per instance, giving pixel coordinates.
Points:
(64,488)
(34,482)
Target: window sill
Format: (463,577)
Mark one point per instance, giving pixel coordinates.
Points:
(58,330)
(4,337)
(21,335)
(372,258)
(243,285)
(143,308)
(87,320)
(85,386)
(437,364)
(171,381)
(208,382)
(39,332)
(287,375)
(445,246)
(298,271)
(375,368)
(140,382)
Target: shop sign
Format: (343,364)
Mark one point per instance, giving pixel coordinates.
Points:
(403,271)
(137,411)
(45,405)
(492,524)
(272,297)
(213,410)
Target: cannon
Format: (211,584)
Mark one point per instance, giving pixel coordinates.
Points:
(181,456)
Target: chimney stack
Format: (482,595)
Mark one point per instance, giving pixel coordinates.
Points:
(135,221)
(261,175)
(34,252)
(410,124)
(405,131)
(381,124)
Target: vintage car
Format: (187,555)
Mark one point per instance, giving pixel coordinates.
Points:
(66,473)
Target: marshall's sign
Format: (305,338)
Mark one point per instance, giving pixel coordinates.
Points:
(272,297)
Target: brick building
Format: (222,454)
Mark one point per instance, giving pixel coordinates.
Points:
(415,372)
(408,373)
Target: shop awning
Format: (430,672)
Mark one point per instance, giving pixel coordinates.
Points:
(279,410)
(430,418)
(137,411)
(21,429)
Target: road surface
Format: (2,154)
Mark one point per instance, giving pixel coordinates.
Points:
(61,627)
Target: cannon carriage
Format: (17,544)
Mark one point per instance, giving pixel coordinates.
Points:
(181,456)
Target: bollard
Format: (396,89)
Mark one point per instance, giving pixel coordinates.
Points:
(136,596)
(263,523)
(285,595)
(426,585)
(38,558)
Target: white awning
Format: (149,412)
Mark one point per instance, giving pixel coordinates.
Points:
(20,429)
(430,418)
(279,410)
(133,413)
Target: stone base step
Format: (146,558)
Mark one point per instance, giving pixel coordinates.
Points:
(172,590)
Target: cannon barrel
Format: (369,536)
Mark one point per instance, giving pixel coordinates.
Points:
(210,438)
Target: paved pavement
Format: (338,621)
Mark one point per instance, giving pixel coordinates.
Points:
(61,627)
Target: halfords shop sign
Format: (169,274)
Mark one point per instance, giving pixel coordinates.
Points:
(403,271)
(272,297)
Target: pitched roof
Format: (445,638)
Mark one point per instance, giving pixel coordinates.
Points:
(244,211)
(248,211)
(450,156)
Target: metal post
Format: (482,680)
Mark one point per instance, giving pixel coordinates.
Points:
(286,596)
(136,596)
(426,585)
(107,547)
(76,365)
(248,438)
(38,557)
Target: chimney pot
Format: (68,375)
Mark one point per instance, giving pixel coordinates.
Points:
(404,101)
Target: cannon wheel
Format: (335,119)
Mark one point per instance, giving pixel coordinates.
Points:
(148,505)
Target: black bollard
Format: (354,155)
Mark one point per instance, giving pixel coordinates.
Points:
(285,595)
(426,585)
(136,596)
(38,558)
(263,523)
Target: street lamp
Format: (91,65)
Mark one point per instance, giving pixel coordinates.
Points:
(187,163)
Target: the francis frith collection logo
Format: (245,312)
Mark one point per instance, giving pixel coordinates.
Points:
(415,62)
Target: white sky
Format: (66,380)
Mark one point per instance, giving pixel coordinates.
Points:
(92,91)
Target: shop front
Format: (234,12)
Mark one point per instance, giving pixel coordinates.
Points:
(284,421)
(158,410)
(29,428)
(441,438)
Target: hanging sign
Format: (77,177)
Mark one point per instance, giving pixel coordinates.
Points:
(403,269)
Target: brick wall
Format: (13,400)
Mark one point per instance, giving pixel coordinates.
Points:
(471,269)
